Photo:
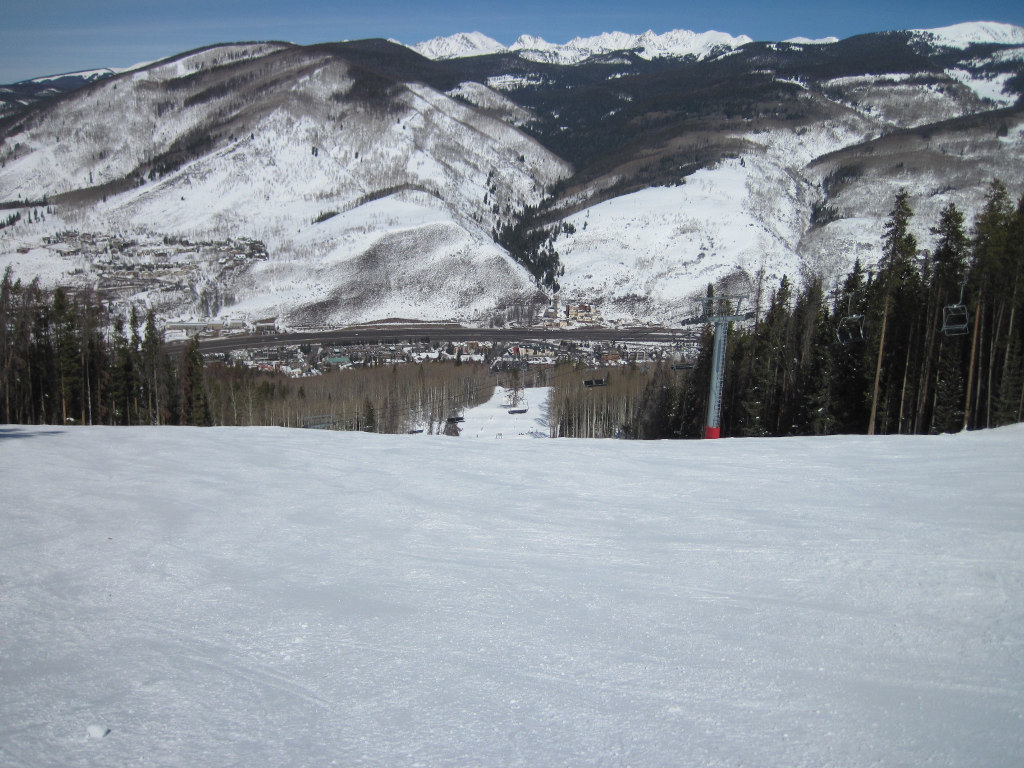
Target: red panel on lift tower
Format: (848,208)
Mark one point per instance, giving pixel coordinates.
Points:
(712,433)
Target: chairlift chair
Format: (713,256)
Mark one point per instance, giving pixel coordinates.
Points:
(954,320)
(850,329)
(517,405)
(851,326)
(954,317)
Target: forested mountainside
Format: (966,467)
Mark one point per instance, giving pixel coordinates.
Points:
(381,183)
(919,345)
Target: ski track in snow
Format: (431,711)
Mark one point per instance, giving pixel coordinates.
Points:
(287,597)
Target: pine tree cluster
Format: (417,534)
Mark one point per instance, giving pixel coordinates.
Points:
(63,361)
(926,343)
(532,245)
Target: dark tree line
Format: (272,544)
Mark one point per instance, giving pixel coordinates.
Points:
(532,245)
(926,343)
(63,361)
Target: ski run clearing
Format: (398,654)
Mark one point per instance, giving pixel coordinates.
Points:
(270,597)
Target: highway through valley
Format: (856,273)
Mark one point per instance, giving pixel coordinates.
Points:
(396,334)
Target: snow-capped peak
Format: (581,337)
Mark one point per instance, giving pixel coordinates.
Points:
(459,46)
(681,43)
(532,43)
(91,74)
(88,75)
(963,35)
(810,41)
(678,43)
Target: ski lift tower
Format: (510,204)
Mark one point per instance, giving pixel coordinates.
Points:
(720,310)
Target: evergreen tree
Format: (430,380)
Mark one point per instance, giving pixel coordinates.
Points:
(123,377)
(66,345)
(369,416)
(693,404)
(6,344)
(948,414)
(93,360)
(654,418)
(851,356)
(1012,375)
(42,365)
(1007,407)
(993,278)
(895,300)
(769,374)
(947,272)
(817,406)
(195,409)
(158,376)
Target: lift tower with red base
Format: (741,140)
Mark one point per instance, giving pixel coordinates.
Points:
(720,310)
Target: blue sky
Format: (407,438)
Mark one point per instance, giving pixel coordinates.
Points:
(51,36)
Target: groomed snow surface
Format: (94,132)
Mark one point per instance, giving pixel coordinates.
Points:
(259,597)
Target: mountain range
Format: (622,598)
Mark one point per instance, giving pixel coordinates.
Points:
(675,44)
(460,179)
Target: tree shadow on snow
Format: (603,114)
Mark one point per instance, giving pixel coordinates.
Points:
(7,433)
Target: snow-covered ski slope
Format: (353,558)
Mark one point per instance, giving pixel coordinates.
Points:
(509,415)
(270,597)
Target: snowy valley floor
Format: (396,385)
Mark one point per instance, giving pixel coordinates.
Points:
(265,597)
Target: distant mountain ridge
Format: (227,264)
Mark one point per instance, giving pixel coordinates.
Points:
(675,44)
(971,33)
(681,43)
(350,182)
(27,92)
